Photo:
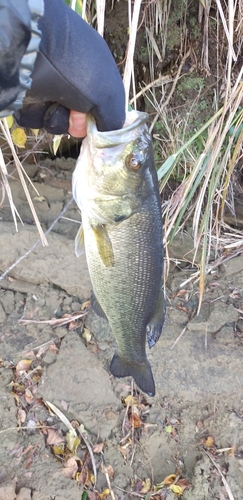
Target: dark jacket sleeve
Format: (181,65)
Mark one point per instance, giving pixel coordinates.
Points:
(15,33)
(75,70)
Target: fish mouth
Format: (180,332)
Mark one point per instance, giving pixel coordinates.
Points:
(130,131)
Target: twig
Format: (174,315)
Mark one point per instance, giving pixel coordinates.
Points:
(3,194)
(105,471)
(229,493)
(27,428)
(37,242)
(54,321)
(82,434)
(178,338)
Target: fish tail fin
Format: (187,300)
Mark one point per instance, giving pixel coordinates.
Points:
(141,372)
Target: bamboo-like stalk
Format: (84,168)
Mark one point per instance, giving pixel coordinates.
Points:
(131,48)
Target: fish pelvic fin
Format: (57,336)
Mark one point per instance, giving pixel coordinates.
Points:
(154,327)
(79,242)
(96,306)
(104,245)
(141,372)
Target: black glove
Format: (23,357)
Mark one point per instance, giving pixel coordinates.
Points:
(75,70)
(15,29)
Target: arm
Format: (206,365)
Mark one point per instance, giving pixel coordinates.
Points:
(74,69)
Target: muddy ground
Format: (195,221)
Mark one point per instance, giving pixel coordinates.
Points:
(193,427)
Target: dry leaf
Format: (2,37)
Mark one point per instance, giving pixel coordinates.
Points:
(21,416)
(166,482)
(54,438)
(70,468)
(131,400)
(35,132)
(72,325)
(19,137)
(85,304)
(58,450)
(176,489)
(169,429)
(72,441)
(136,421)
(98,448)
(23,365)
(181,292)
(53,348)
(93,495)
(146,486)
(210,441)
(39,199)
(87,335)
(9,121)
(56,143)
(104,494)
(183,483)
(28,396)
(110,471)
(64,404)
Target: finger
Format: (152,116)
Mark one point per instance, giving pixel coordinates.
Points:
(77,124)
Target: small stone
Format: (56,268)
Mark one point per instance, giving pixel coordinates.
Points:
(7,492)
(234,266)
(3,316)
(60,332)
(75,306)
(49,358)
(240,324)
(178,317)
(213,318)
(24,494)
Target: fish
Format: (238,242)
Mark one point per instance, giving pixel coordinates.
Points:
(115,185)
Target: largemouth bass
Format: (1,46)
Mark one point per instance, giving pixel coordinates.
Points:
(115,185)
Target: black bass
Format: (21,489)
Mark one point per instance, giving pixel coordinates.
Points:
(115,185)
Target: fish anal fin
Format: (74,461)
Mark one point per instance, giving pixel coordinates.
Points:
(154,327)
(96,306)
(141,372)
(104,245)
(79,242)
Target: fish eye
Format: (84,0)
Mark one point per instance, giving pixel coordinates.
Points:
(133,162)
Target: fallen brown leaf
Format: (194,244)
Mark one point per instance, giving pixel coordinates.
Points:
(70,468)
(53,438)
(28,396)
(23,365)
(98,448)
(21,416)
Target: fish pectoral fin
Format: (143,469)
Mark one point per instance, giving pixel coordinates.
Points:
(141,372)
(154,327)
(104,245)
(96,306)
(79,242)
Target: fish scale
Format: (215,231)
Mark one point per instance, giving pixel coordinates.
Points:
(125,258)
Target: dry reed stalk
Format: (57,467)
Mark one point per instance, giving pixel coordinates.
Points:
(7,135)
(131,46)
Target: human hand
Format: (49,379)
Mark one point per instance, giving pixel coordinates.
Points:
(74,70)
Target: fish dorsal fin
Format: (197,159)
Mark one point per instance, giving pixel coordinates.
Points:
(79,242)
(104,245)
(96,306)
